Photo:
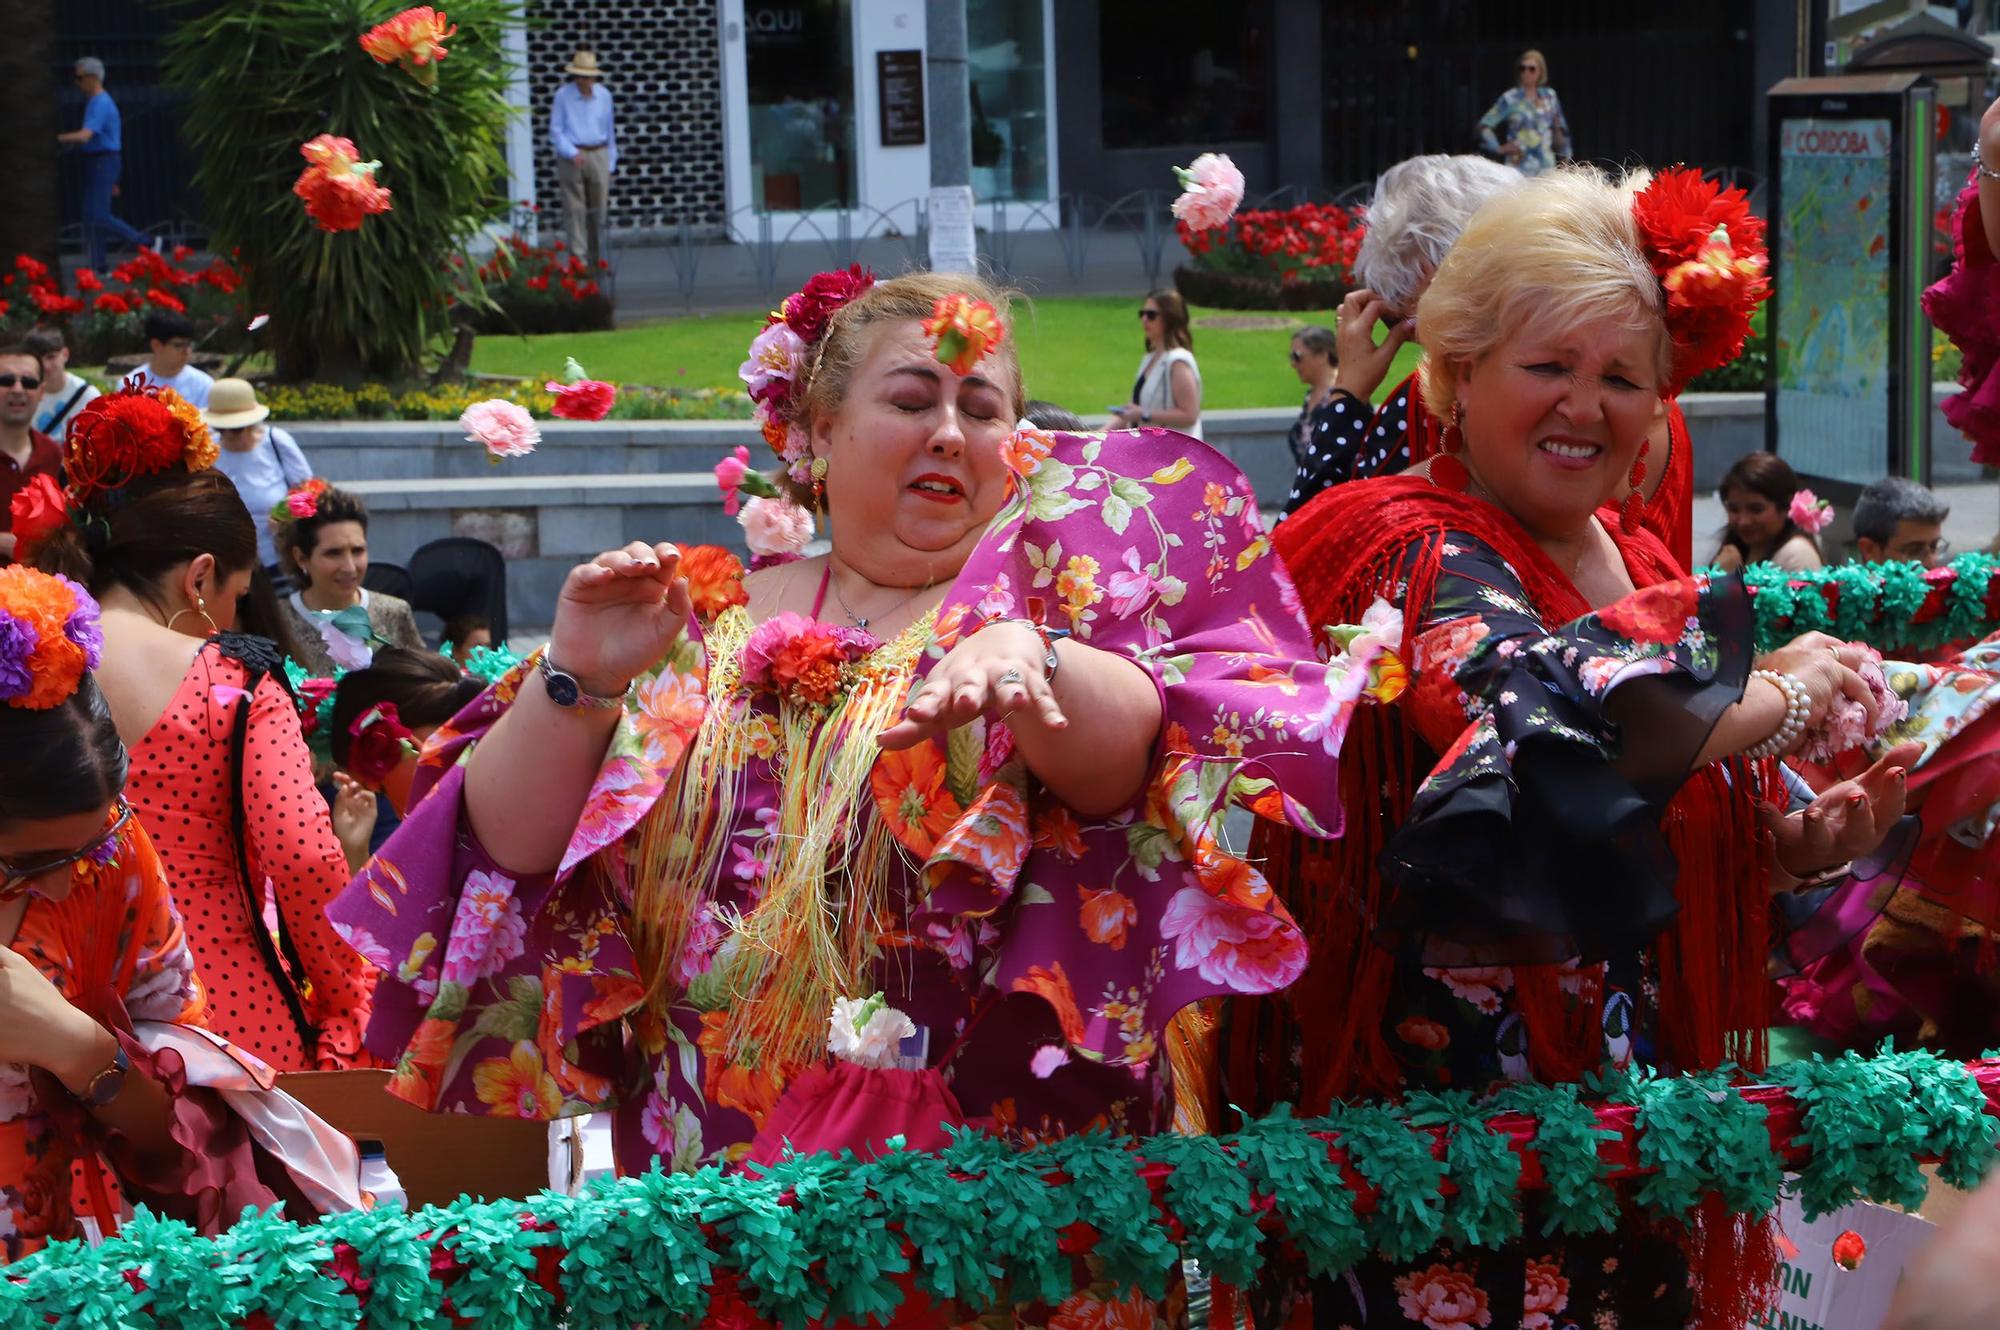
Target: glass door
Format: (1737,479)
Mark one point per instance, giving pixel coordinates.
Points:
(799,71)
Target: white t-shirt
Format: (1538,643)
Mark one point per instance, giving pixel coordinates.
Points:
(55,396)
(190,383)
(263,476)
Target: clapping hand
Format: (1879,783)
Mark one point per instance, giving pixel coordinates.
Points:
(996,672)
(618,615)
(354,814)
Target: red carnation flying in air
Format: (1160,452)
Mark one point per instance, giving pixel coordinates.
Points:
(339,188)
(414,38)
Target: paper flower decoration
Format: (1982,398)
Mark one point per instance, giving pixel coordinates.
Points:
(49,637)
(39,508)
(1809,512)
(962,331)
(579,397)
(1211,189)
(501,427)
(414,39)
(377,743)
(338,188)
(867,1032)
(130,433)
(774,528)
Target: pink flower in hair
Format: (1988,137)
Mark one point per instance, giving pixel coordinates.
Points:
(1809,512)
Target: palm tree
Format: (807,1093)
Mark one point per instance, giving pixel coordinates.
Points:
(29,222)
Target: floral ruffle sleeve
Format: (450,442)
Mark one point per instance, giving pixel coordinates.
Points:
(1147,544)
(1536,837)
(502,994)
(1963,306)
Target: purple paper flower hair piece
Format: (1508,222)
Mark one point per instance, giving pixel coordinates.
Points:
(85,627)
(18,640)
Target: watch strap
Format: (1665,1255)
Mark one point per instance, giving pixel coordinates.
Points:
(109,1083)
(564,690)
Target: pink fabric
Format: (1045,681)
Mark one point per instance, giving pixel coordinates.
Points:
(849,1107)
(1965,306)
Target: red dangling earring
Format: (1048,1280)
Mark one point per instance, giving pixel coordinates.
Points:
(1446,471)
(1634,507)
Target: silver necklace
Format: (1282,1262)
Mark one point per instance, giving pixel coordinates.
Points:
(861,620)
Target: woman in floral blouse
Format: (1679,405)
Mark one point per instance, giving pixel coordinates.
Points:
(654,904)
(1563,834)
(1525,127)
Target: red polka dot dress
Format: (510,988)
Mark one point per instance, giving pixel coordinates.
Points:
(182,787)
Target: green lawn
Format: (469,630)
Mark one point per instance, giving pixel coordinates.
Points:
(1080,351)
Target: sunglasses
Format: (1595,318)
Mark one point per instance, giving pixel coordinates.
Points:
(14,879)
(1297,356)
(1529,68)
(28,381)
(1149,314)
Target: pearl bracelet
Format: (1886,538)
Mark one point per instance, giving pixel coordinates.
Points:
(1798,711)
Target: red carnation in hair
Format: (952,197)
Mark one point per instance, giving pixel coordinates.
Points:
(808,310)
(1707,248)
(120,436)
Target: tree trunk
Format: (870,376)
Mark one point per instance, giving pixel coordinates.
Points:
(29,222)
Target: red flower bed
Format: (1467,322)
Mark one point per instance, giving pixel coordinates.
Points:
(538,288)
(1296,258)
(106,315)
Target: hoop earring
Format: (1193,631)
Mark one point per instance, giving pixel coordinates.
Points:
(201,608)
(1446,471)
(819,470)
(1632,511)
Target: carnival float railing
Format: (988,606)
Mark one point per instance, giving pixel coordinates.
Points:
(984,1224)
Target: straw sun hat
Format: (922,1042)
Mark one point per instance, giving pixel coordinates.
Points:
(584,63)
(232,404)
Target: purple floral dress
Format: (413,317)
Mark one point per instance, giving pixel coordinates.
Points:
(1041,953)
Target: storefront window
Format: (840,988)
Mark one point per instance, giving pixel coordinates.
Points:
(1184,71)
(1010,122)
(799,65)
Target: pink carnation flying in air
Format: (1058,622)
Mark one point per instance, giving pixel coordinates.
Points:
(1809,512)
(774,527)
(1211,189)
(729,473)
(501,427)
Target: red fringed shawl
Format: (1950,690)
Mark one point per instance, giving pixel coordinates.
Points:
(1345,549)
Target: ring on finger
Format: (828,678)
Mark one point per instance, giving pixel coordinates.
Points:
(1011,676)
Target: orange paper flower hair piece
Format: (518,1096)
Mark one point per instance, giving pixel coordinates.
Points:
(338,188)
(49,637)
(963,330)
(414,38)
(1707,249)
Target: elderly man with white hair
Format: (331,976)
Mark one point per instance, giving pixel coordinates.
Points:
(1420,206)
(101,143)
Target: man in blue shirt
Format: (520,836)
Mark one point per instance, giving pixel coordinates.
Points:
(581,133)
(100,143)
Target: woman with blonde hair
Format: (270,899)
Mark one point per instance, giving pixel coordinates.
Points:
(1563,835)
(1525,127)
(1167,392)
(951,761)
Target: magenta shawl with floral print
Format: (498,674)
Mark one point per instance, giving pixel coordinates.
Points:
(515,996)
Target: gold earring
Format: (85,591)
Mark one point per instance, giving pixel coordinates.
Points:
(200,608)
(819,470)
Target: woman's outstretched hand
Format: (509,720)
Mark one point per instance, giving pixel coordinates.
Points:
(996,672)
(1846,820)
(618,615)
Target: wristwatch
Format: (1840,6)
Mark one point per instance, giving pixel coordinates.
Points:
(566,692)
(108,1084)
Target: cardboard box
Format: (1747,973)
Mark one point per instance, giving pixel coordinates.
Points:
(437,1156)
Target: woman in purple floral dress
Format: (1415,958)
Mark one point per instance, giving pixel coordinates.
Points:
(653,903)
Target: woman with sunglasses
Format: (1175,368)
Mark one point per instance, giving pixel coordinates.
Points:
(1525,128)
(103,1058)
(1167,392)
(220,771)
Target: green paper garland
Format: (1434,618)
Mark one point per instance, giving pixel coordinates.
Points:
(985,1224)
(1874,603)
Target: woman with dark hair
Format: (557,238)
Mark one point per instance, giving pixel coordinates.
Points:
(1167,392)
(1757,494)
(381,717)
(220,770)
(1318,440)
(103,1058)
(322,536)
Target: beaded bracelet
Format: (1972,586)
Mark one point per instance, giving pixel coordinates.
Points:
(1798,710)
(1979,160)
(1049,636)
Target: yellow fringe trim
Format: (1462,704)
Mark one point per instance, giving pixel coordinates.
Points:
(812,935)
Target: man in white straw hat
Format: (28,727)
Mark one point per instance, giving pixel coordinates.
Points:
(264,461)
(586,145)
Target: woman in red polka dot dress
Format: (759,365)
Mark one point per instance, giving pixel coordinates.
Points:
(220,774)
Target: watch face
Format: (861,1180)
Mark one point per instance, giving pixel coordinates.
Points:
(562,689)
